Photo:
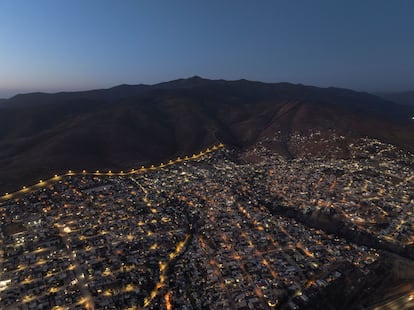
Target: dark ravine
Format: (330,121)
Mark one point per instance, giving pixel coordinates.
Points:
(354,289)
(333,225)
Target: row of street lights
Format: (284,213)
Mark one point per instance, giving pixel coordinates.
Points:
(110,173)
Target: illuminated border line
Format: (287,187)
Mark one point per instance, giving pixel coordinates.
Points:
(57,177)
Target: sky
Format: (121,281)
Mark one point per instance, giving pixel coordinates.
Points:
(54,45)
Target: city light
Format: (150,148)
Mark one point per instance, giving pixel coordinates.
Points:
(110,228)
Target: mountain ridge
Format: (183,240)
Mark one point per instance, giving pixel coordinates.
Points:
(117,128)
(126,90)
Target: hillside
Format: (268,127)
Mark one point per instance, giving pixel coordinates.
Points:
(406,98)
(126,126)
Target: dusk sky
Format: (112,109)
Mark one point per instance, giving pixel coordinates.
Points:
(75,45)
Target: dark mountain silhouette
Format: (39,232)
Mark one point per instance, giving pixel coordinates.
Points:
(129,125)
(406,98)
(103,95)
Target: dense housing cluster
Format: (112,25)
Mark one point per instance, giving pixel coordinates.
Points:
(216,232)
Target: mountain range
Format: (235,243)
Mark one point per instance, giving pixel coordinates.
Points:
(131,125)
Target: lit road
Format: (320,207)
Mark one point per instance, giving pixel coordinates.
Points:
(56,177)
(163,270)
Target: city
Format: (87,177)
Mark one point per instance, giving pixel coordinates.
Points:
(202,233)
(238,155)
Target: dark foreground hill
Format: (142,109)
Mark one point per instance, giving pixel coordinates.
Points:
(129,125)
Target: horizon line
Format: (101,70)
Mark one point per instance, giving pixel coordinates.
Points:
(80,89)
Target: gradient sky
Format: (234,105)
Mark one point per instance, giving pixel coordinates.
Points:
(70,45)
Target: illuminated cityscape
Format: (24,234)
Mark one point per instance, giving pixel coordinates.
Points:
(208,230)
(239,155)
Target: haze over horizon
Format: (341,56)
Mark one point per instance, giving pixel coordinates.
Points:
(61,46)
